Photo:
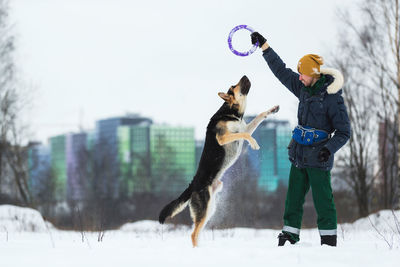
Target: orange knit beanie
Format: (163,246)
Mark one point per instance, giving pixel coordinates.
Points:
(310,65)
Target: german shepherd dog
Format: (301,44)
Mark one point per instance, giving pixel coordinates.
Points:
(224,140)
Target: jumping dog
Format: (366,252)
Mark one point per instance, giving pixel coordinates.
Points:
(225,134)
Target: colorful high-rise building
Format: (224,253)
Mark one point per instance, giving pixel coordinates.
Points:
(107,151)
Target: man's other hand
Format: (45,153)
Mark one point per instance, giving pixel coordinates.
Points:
(324,155)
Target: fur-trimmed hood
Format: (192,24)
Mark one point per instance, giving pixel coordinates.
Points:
(338,81)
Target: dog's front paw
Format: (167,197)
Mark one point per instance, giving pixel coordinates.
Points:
(254,145)
(275,109)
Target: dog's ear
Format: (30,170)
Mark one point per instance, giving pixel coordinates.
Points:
(225,97)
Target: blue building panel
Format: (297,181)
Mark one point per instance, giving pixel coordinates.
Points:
(39,166)
(271,162)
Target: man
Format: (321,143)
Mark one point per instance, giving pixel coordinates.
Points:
(323,128)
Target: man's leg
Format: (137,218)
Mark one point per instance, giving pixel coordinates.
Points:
(298,188)
(320,182)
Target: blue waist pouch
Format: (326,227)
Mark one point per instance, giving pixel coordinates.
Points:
(306,135)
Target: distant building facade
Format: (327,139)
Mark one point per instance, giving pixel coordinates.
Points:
(130,154)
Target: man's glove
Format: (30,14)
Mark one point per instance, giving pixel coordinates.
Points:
(256,37)
(324,155)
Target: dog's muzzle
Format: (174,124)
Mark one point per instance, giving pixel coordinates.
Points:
(244,85)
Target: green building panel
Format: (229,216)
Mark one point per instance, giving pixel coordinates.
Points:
(173,157)
(134,159)
(59,165)
(90,141)
(141,169)
(125,161)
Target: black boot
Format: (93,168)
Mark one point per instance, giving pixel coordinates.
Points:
(283,237)
(329,240)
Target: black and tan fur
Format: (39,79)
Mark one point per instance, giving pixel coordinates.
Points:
(225,134)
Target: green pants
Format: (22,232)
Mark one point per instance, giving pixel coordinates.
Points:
(300,181)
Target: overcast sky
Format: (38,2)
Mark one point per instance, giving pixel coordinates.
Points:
(92,59)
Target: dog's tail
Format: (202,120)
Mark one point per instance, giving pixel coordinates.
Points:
(176,206)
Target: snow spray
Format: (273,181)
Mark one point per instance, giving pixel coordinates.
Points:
(242,54)
(223,209)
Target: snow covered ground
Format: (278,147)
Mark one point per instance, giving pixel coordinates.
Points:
(25,240)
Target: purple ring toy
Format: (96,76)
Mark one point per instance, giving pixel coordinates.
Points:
(242,54)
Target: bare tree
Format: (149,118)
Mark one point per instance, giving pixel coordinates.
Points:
(356,160)
(12,152)
(41,182)
(6,83)
(388,163)
(93,167)
(17,160)
(98,204)
(369,56)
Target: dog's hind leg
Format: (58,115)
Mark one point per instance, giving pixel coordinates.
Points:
(200,211)
(217,186)
(198,226)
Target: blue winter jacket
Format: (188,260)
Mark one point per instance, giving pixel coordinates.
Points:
(324,110)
